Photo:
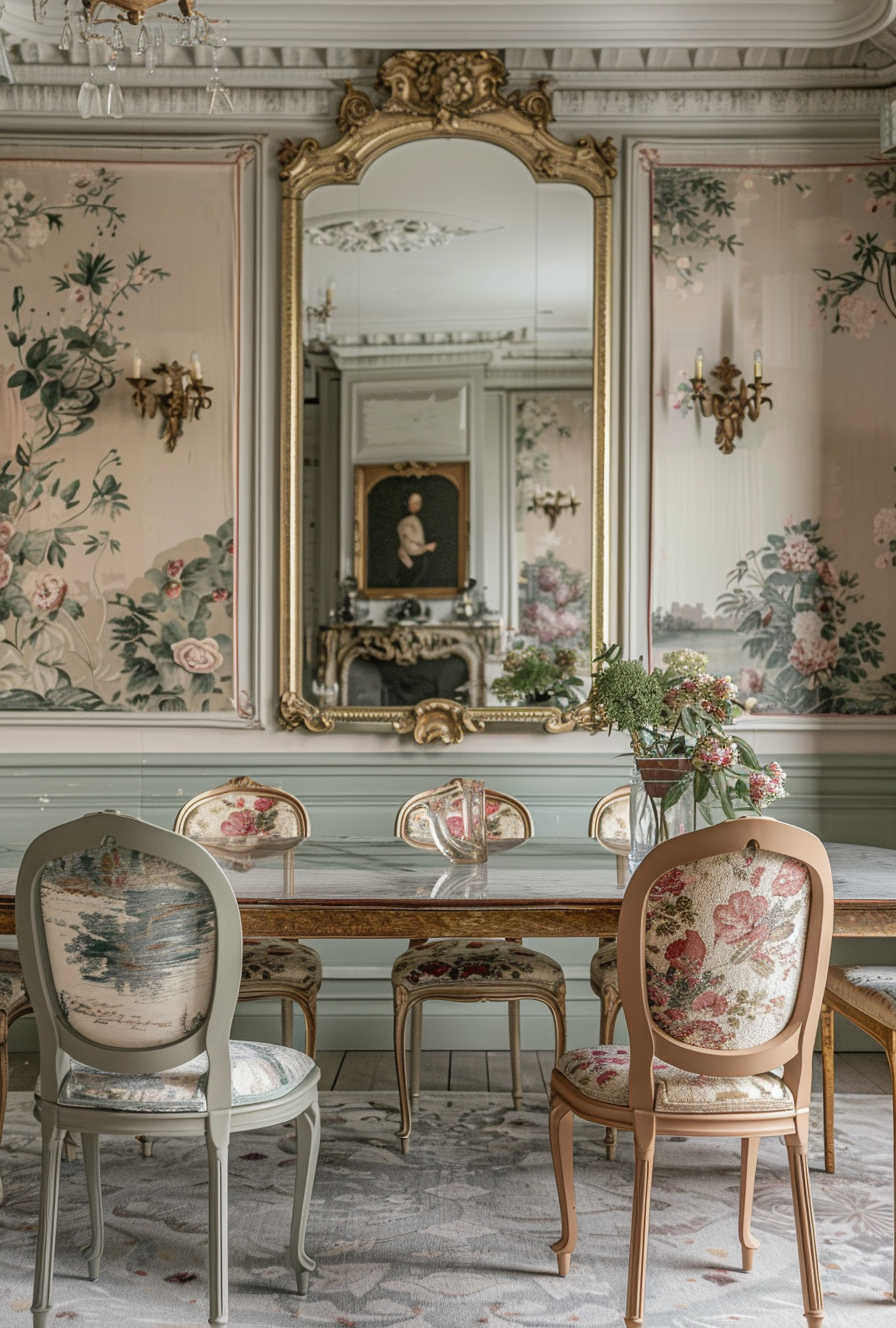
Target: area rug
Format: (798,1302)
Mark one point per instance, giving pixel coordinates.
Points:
(455,1234)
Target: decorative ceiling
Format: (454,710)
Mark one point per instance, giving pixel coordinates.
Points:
(502,23)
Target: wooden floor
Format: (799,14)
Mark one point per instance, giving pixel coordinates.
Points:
(485,1071)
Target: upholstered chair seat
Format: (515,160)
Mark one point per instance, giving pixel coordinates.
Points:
(259,1072)
(497,969)
(865,994)
(602,1073)
(252,820)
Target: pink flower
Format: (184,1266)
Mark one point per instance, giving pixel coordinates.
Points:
(548,578)
(197,656)
(648,158)
(846,237)
(671,882)
(791,879)
(711,1001)
(741,919)
(826,572)
(238,823)
(798,554)
(172,589)
(687,954)
(750,681)
(813,655)
(883,562)
(568,623)
(710,754)
(7,530)
(264,804)
(46,591)
(5,569)
(220,594)
(540,620)
(174,569)
(857,315)
(229,546)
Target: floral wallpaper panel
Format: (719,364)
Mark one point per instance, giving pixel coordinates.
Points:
(116,556)
(779,560)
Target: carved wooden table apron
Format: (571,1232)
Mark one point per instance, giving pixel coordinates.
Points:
(545,887)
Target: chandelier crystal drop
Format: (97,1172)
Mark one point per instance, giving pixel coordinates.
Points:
(106,24)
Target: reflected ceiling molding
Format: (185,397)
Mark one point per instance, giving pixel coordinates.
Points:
(390,233)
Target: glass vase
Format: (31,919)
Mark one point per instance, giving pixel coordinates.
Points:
(662,803)
(458,820)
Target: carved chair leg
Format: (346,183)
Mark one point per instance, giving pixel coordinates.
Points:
(286,1026)
(217,1143)
(416,1046)
(749,1155)
(827,1071)
(645,1146)
(891,1061)
(561,1127)
(93,1250)
(51,1160)
(307,1149)
(401,1071)
(797,1156)
(609,1012)
(516,1072)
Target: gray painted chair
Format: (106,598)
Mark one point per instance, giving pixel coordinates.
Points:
(131,945)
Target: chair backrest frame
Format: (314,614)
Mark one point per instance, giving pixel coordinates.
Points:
(243,784)
(792,1046)
(621,794)
(59,1042)
(493,795)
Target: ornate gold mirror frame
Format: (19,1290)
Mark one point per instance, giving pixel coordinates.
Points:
(431,94)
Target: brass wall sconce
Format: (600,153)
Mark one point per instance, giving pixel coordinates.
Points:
(181,397)
(554,502)
(730,407)
(319,316)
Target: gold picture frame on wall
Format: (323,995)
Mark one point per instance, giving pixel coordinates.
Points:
(412,529)
(431,95)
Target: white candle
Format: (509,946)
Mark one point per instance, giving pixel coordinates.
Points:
(195,367)
(698,363)
(137,366)
(757,363)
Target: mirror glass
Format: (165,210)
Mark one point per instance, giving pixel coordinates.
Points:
(448,431)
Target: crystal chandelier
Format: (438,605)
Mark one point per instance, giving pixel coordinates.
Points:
(104,23)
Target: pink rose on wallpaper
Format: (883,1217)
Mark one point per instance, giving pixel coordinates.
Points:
(7,530)
(741,919)
(790,879)
(540,620)
(46,591)
(812,655)
(238,823)
(174,569)
(5,569)
(220,594)
(750,680)
(826,572)
(687,954)
(197,656)
(173,589)
(548,578)
(798,554)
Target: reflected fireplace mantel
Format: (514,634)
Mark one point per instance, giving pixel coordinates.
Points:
(406,644)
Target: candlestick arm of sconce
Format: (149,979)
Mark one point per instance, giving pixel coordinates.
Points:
(182,397)
(730,406)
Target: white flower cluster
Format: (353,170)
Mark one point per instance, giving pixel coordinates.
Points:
(19,231)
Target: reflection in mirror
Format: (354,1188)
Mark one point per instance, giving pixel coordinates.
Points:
(448,430)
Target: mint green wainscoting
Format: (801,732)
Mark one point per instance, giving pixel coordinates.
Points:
(847,798)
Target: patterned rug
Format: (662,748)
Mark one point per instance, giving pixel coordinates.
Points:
(456,1234)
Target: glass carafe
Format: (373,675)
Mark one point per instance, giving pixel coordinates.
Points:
(457,818)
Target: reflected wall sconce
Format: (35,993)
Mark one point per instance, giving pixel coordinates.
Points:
(732,405)
(554,502)
(319,316)
(181,395)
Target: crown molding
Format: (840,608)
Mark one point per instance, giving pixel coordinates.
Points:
(431,24)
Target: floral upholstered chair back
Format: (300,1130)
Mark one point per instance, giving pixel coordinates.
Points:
(126,935)
(242,809)
(610,822)
(731,938)
(506,819)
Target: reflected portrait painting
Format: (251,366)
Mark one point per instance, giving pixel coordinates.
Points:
(412,529)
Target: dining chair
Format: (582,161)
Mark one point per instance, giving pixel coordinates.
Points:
(866,996)
(500,969)
(724,940)
(14,1003)
(610,825)
(130,944)
(244,813)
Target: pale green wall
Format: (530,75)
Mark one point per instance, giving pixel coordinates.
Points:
(849,798)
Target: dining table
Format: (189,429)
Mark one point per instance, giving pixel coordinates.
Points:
(540,887)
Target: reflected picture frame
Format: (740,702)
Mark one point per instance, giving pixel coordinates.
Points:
(412,529)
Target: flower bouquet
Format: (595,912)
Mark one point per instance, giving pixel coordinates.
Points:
(536,675)
(676,718)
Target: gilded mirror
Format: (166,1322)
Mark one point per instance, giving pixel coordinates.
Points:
(444,408)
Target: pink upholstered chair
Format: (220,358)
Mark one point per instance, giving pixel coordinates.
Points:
(475,970)
(724,938)
(243,817)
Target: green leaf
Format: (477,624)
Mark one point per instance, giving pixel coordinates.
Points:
(37,353)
